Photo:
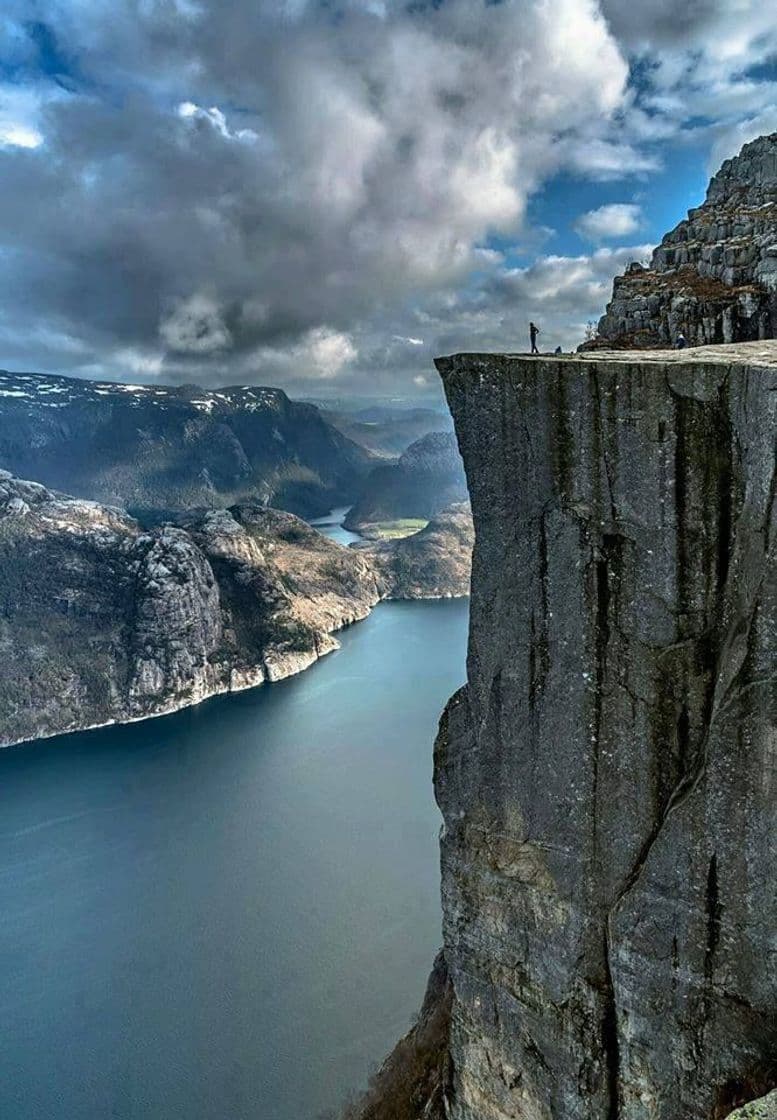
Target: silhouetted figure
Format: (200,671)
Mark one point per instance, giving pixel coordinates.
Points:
(558,350)
(533,332)
(680,342)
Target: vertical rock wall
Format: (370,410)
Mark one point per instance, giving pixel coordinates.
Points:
(608,776)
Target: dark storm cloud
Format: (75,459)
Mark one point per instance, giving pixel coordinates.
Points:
(294,191)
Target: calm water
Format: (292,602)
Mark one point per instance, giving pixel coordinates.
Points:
(228,913)
(331,526)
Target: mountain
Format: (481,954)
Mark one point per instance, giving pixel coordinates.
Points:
(607,774)
(162,447)
(713,278)
(428,477)
(433,563)
(385,430)
(104,620)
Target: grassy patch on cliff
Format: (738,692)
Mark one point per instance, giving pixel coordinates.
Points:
(394,530)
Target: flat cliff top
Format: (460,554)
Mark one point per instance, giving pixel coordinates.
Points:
(762,353)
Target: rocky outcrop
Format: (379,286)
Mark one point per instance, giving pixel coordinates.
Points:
(161,447)
(103,621)
(607,774)
(428,477)
(434,563)
(714,277)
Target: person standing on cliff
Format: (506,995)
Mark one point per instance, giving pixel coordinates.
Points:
(533,332)
(680,342)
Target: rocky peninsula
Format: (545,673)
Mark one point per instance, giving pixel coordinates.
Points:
(104,620)
(606,775)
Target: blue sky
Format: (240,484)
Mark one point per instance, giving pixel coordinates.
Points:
(326,195)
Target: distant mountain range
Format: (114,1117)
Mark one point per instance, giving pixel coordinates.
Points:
(157,447)
(385,429)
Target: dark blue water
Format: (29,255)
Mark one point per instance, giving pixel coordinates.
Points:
(228,913)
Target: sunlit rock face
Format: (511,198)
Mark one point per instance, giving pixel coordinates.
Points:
(713,278)
(607,775)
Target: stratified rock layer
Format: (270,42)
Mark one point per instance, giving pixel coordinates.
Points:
(713,278)
(608,775)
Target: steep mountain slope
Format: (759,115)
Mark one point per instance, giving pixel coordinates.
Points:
(714,276)
(162,447)
(428,477)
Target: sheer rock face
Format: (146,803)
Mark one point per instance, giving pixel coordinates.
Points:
(608,775)
(714,277)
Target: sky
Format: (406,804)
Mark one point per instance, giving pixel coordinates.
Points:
(324,195)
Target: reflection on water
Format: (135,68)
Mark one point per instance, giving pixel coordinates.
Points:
(229,912)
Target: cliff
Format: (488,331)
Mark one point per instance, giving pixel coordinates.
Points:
(714,276)
(168,447)
(428,477)
(607,774)
(103,620)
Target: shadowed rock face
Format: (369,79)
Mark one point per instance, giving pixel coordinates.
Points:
(427,478)
(714,276)
(607,775)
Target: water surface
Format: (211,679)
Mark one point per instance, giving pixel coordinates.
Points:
(228,913)
(331,525)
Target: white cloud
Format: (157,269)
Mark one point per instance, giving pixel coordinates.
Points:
(188,111)
(610,222)
(195,326)
(19,135)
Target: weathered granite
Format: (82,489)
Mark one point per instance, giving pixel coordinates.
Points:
(714,276)
(607,774)
(103,620)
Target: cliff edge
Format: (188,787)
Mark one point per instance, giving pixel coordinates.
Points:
(607,775)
